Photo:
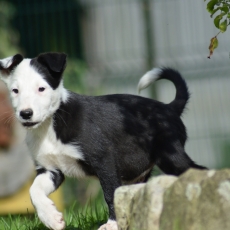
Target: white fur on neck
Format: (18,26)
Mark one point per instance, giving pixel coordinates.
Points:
(51,153)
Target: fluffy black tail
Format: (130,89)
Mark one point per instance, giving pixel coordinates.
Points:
(182,93)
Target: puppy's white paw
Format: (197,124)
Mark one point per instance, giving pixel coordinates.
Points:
(50,217)
(110,225)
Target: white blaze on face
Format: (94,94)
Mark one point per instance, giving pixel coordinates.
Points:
(29,90)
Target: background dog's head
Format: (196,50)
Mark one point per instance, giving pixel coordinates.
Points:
(35,85)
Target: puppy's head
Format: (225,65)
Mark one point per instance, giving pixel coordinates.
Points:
(35,85)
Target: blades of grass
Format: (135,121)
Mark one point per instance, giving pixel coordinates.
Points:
(6,225)
(70,214)
(10,220)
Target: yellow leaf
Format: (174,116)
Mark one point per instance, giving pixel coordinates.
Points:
(213,45)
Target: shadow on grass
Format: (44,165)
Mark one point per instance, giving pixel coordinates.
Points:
(72,228)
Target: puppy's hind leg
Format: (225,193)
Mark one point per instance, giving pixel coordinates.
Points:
(173,160)
(45,183)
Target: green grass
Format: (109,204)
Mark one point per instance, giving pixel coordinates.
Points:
(89,218)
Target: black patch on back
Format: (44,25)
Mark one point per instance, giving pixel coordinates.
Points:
(111,131)
(121,133)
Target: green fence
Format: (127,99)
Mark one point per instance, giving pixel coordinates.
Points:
(52,25)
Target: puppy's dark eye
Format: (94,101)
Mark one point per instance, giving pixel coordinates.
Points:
(15,91)
(41,89)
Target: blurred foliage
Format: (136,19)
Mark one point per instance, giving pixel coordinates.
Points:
(225,159)
(80,192)
(85,203)
(220,10)
(74,75)
(52,25)
(9,37)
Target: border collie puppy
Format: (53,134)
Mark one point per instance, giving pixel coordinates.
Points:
(117,138)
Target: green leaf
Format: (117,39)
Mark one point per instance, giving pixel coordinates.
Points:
(228,15)
(211,5)
(217,20)
(225,9)
(223,26)
(214,11)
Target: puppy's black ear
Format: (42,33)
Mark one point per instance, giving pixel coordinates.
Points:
(51,66)
(55,62)
(8,64)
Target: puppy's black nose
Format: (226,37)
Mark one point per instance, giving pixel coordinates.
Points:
(26,114)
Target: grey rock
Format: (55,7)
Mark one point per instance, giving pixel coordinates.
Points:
(138,207)
(198,200)
(124,199)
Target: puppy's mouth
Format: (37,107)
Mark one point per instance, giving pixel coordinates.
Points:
(29,124)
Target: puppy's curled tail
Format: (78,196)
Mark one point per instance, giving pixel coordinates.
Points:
(182,93)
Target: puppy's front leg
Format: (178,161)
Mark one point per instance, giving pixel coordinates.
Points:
(109,183)
(45,183)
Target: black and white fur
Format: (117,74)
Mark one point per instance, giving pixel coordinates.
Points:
(117,138)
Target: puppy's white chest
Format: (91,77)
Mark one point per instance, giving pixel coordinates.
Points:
(68,165)
(51,153)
